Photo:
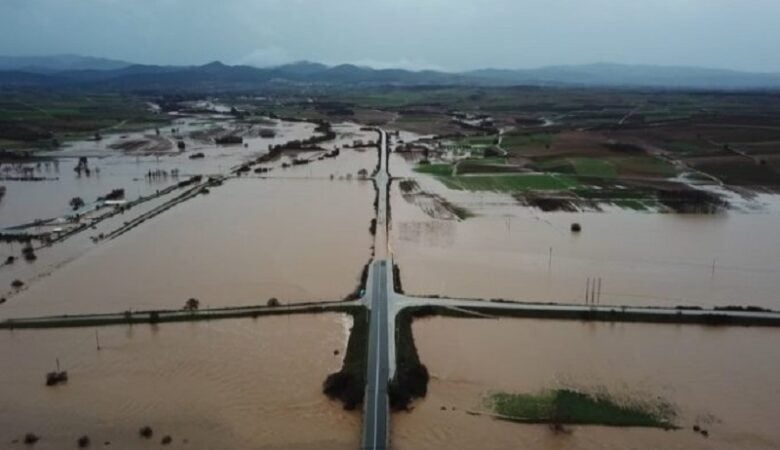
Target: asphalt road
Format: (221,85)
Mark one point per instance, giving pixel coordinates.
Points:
(375,405)
(647,314)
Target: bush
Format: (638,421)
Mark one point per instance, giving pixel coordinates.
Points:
(17,284)
(166,440)
(146,432)
(83,442)
(76,203)
(31,438)
(192,304)
(408,186)
(411,376)
(348,384)
(273,301)
(29,253)
(409,383)
(346,387)
(55,378)
(576,228)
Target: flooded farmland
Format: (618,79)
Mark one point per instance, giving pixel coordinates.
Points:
(242,384)
(720,379)
(245,242)
(115,167)
(513,252)
(357,156)
(242,209)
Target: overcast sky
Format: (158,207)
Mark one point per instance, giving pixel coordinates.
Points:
(439,34)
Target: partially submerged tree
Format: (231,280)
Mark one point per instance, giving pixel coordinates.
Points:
(146,432)
(192,304)
(29,253)
(76,203)
(56,377)
(83,442)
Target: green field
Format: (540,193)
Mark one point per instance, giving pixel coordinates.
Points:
(564,406)
(510,183)
(586,167)
(498,182)
(39,118)
(478,140)
(610,167)
(439,170)
(519,141)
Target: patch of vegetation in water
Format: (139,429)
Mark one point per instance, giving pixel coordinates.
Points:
(407,186)
(348,384)
(695,201)
(411,375)
(566,406)
(634,205)
(461,212)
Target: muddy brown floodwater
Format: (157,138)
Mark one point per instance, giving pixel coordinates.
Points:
(722,379)
(348,164)
(513,252)
(245,242)
(26,201)
(237,384)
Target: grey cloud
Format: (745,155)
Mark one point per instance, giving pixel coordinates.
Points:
(448,34)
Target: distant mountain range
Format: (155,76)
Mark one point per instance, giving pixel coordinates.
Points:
(58,63)
(72,71)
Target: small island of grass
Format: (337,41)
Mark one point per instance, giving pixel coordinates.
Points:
(565,406)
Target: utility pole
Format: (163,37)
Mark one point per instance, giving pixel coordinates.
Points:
(97,340)
(598,296)
(549,261)
(587,291)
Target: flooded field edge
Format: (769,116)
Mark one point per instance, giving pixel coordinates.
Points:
(448,422)
(203,351)
(204,189)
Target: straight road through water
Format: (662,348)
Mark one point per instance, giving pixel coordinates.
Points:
(376,420)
